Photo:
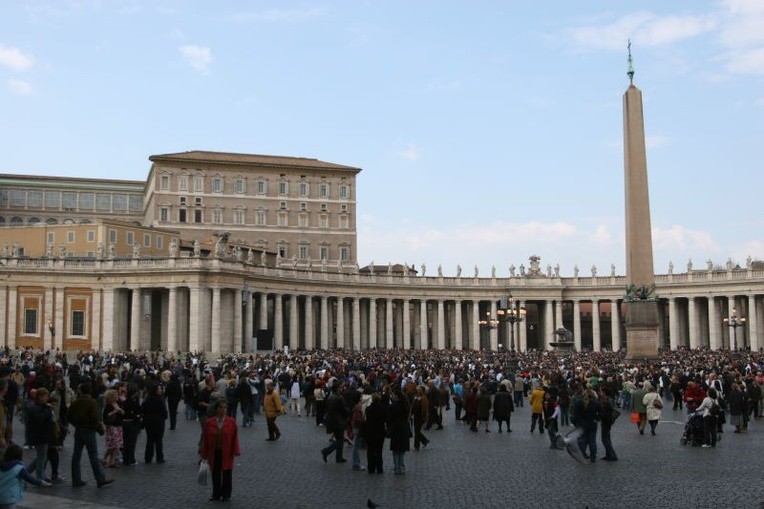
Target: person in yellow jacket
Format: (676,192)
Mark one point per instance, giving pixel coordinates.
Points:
(273,408)
(537,407)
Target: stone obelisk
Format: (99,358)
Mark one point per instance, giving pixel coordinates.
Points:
(641,314)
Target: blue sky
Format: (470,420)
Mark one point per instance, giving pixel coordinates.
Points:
(487,131)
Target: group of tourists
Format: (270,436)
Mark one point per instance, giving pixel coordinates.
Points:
(362,398)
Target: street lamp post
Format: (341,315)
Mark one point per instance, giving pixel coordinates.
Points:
(733,321)
(510,312)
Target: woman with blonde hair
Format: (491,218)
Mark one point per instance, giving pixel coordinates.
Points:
(112,418)
(653,406)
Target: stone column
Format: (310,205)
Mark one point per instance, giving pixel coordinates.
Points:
(673,324)
(310,328)
(406,324)
(615,325)
(441,325)
(753,323)
(263,318)
(294,330)
(356,323)
(59,321)
(108,318)
(458,332)
(172,320)
(548,324)
(47,313)
(423,324)
(3,314)
(239,306)
(373,323)
(475,335)
(249,326)
(217,308)
(558,314)
(388,323)
(731,334)
(596,335)
(340,322)
(195,338)
(324,322)
(577,324)
(692,314)
(278,322)
(136,319)
(494,333)
(713,324)
(13,297)
(523,336)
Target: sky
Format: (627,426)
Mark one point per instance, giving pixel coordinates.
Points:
(487,131)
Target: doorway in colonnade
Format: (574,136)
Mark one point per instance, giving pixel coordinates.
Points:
(157,320)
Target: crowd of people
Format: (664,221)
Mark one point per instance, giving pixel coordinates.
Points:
(362,398)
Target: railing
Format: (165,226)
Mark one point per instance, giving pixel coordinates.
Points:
(347,274)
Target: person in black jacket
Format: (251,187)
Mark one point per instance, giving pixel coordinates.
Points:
(375,433)
(585,414)
(131,421)
(174,393)
(337,415)
(608,418)
(41,431)
(503,406)
(154,416)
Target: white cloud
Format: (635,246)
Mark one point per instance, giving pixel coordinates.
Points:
(749,62)
(653,141)
(19,87)
(645,28)
(681,239)
(412,152)
(15,59)
(198,57)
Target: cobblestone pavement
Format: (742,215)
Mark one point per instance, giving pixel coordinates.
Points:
(458,469)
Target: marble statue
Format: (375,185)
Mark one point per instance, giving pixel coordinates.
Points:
(710,264)
(612,270)
(729,264)
(173,248)
(557,270)
(440,270)
(294,261)
(251,257)
(594,271)
(389,268)
(49,252)
(493,271)
(262,258)
(522,270)
(16,249)
(61,250)
(575,271)
(671,267)
(99,250)
(748,262)
(424,269)
(512,270)
(476,271)
(6,251)
(136,250)
(197,249)
(548,270)
(458,270)
(112,250)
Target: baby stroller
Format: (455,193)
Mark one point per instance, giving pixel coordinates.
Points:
(693,430)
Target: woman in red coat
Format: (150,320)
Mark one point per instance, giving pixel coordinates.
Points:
(220,444)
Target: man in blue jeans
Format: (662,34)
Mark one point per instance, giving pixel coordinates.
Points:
(84,416)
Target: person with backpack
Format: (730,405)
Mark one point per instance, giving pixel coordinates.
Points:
(709,408)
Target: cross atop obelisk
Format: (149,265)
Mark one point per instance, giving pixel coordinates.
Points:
(641,315)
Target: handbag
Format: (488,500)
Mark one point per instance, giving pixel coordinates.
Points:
(204,470)
(635,417)
(657,403)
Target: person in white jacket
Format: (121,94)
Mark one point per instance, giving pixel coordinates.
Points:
(708,408)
